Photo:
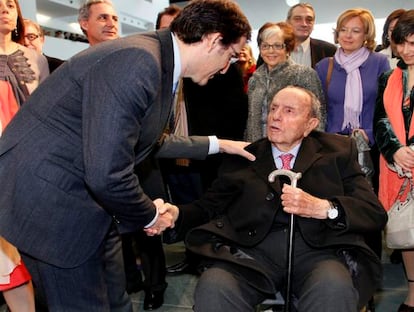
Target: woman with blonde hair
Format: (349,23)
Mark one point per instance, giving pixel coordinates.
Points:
(246,64)
(350,78)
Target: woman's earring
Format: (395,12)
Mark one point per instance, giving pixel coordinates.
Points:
(16,32)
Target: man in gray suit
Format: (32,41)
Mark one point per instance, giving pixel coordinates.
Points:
(68,157)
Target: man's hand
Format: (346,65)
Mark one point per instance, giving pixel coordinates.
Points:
(167,215)
(298,202)
(235,147)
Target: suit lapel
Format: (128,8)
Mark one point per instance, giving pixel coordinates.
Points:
(264,164)
(167,67)
(307,155)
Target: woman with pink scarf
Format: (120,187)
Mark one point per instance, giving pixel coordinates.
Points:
(352,88)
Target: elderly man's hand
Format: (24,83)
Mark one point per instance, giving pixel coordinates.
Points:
(235,147)
(298,202)
(167,215)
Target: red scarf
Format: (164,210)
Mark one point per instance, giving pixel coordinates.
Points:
(390,183)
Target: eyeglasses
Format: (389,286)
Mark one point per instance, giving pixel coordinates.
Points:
(235,56)
(31,37)
(276,46)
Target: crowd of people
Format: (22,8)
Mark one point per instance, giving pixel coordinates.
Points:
(170,136)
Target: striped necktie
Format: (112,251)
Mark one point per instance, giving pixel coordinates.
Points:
(286,159)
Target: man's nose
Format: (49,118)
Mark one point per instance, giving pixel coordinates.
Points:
(275,114)
(406,47)
(111,22)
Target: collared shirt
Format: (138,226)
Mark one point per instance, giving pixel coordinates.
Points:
(177,63)
(214,146)
(302,54)
(276,153)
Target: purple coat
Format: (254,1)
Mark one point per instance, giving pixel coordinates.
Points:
(370,71)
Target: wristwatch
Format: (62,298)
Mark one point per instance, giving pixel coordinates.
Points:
(333,211)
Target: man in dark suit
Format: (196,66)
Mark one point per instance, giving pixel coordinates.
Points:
(308,51)
(68,157)
(244,239)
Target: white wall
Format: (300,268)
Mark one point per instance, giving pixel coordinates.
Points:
(134,16)
(133,12)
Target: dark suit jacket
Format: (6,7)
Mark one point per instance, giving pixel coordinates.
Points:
(241,206)
(320,49)
(53,63)
(68,156)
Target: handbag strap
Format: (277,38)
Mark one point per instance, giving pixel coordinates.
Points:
(404,187)
(329,73)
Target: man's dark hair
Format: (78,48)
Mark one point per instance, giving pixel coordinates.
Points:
(203,17)
(404,27)
(171,10)
(305,5)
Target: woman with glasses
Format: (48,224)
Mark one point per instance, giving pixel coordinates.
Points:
(276,41)
(21,69)
(350,79)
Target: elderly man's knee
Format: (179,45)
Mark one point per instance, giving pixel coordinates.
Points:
(214,283)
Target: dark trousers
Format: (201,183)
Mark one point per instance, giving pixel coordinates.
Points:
(151,253)
(321,281)
(97,285)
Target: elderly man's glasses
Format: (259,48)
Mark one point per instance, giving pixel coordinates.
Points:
(276,46)
(31,37)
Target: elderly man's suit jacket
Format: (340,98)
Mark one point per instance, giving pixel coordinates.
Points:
(67,159)
(240,208)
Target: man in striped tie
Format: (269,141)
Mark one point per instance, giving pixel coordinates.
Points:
(239,225)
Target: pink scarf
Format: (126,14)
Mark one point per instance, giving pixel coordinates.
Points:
(353,88)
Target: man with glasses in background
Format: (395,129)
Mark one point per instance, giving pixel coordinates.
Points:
(34,39)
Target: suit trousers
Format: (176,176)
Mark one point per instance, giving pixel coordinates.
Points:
(98,285)
(321,281)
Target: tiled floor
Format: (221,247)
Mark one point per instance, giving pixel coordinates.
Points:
(178,296)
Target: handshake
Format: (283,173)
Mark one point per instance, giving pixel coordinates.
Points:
(167,215)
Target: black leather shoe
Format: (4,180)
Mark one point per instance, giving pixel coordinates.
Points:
(405,308)
(396,256)
(134,286)
(182,267)
(153,299)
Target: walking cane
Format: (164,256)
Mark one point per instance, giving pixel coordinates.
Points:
(293,177)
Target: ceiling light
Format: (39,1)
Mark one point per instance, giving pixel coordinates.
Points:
(292,2)
(42,18)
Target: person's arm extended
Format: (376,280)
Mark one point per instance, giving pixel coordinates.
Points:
(199,147)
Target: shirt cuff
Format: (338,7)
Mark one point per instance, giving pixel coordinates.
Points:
(153,220)
(214,147)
